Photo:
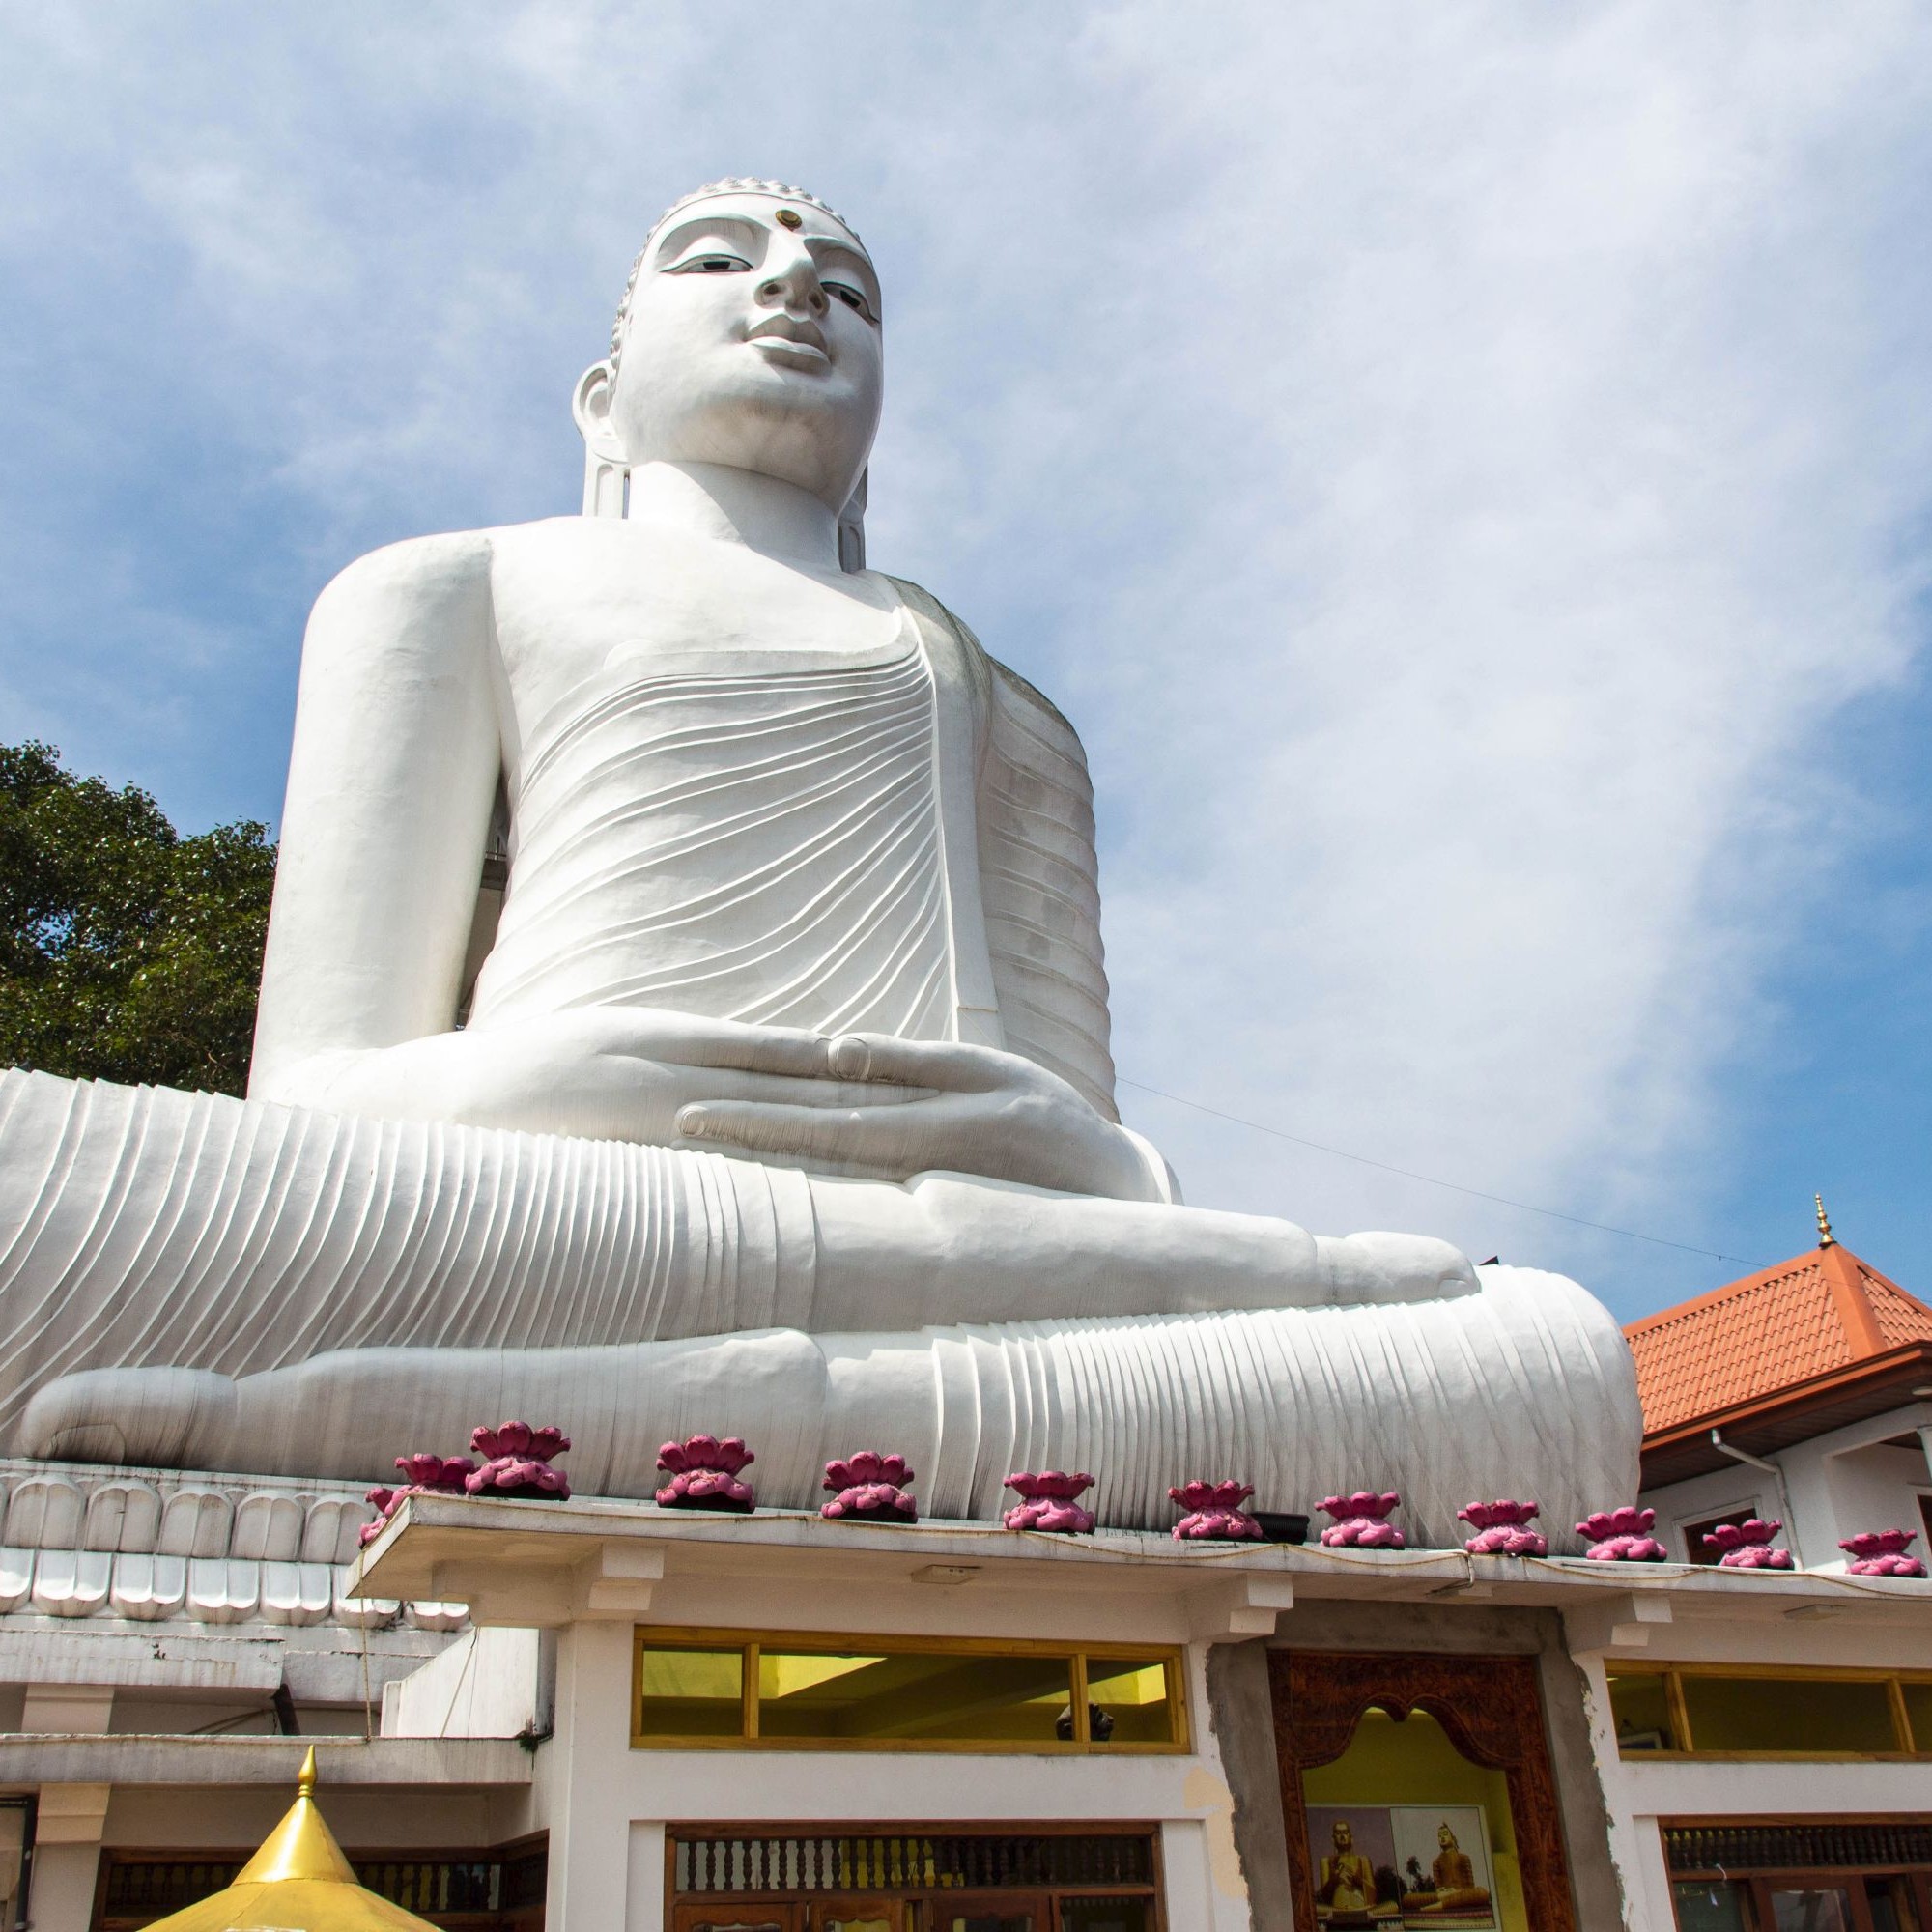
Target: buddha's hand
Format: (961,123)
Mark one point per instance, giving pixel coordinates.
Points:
(602,1073)
(982,1111)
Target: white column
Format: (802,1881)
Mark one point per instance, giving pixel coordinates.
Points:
(67,1856)
(1184,1875)
(590,1825)
(71,1817)
(644,1906)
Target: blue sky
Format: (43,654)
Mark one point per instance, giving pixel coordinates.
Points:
(1465,472)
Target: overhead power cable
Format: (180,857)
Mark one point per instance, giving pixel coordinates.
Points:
(1431,1179)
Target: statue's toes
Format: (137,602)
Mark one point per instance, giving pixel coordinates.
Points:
(170,1417)
(1395,1267)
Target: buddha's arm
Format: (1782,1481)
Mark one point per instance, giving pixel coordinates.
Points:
(397,750)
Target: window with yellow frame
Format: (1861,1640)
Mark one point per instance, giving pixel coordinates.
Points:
(696,1689)
(1743,1711)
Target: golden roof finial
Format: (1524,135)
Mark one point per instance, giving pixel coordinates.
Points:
(298,1877)
(1825,1238)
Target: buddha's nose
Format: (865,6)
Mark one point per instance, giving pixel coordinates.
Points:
(795,288)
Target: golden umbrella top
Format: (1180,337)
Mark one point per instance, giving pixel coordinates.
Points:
(296,1882)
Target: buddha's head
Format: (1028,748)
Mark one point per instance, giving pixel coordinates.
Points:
(750,337)
(1446,1838)
(1344,1834)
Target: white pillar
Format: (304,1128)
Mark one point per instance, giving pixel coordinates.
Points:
(71,1818)
(1183,1863)
(590,1825)
(67,1856)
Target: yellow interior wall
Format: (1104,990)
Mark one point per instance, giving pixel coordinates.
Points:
(1414,1763)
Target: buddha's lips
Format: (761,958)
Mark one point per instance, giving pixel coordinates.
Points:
(803,339)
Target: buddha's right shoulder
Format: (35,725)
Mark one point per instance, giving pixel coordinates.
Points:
(455,564)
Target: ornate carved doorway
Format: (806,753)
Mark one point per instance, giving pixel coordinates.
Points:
(1418,1789)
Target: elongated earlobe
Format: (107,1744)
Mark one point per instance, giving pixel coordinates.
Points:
(852,525)
(606,467)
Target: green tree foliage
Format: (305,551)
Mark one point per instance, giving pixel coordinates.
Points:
(126,952)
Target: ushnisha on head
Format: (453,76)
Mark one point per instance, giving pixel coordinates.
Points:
(748,336)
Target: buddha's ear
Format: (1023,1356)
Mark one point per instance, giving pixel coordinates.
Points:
(604,463)
(852,525)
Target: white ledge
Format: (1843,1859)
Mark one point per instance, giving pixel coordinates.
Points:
(206,1761)
(550,1563)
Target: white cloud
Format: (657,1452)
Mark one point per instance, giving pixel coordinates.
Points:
(1451,465)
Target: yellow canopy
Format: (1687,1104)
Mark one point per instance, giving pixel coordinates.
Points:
(297,1882)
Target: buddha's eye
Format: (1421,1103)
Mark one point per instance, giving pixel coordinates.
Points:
(853,298)
(713,264)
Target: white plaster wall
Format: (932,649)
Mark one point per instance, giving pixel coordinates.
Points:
(239,1817)
(1637,1795)
(608,1805)
(483,1685)
(1876,1489)
(1833,1486)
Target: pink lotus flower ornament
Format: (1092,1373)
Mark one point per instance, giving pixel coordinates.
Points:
(703,1474)
(385,1503)
(518,1462)
(1881,1552)
(1214,1513)
(1361,1521)
(870,1489)
(1048,1502)
(424,1475)
(1747,1546)
(1622,1536)
(1502,1529)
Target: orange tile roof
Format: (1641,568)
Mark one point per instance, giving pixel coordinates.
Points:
(1750,1340)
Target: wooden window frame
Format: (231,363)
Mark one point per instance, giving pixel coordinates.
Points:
(1674,1674)
(482,1920)
(751,1642)
(677,1904)
(1758,1885)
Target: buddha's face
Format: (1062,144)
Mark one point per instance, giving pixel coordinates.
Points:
(1446,1838)
(752,340)
(1344,1835)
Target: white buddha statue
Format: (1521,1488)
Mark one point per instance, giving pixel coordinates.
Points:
(775,1098)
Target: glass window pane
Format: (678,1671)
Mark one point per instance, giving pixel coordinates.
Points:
(1889,1901)
(1640,1706)
(1826,1910)
(926,1697)
(1919,1709)
(1106,1915)
(1128,1701)
(1753,1713)
(1710,1906)
(690,1693)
